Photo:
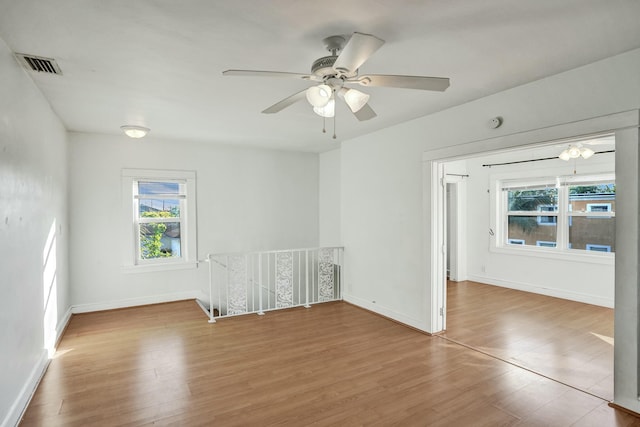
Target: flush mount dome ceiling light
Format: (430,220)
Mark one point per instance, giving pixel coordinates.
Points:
(133,131)
(575,151)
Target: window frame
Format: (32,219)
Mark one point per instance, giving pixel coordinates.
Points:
(562,251)
(132,260)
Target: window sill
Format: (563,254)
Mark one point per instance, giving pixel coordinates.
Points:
(573,256)
(150,268)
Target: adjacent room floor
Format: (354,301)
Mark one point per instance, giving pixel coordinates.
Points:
(565,340)
(333,364)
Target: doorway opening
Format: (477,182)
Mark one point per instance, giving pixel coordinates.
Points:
(518,285)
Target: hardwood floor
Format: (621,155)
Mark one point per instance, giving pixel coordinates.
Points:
(565,340)
(331,365)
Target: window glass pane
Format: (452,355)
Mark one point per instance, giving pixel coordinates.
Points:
(160,240)
(530,230)
(592,198)
(533,199)
(590,233)
(159,208)
(157,187)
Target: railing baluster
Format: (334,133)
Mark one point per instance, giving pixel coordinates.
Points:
(228,285)
(260,309)
(306,275)
(211,317)
(299,279)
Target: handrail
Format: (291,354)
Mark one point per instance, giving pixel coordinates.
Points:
(275,251)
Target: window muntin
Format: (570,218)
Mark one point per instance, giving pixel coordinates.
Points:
(578,213)
(548,220)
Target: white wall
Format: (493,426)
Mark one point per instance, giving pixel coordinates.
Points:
(386,258)
(585,280)
(330,230)
(247,199)
(34,290)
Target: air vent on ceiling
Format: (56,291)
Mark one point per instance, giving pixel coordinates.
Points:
(38,63)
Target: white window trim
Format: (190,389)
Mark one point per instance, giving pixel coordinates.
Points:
(497,244)
(188,248)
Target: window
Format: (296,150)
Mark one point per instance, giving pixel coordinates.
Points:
(160,206)
(159,217)
(547,220)
(579,213)
(523,205)
(598,248)
(598,207)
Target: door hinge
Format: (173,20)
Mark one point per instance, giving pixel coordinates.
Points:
(441,311)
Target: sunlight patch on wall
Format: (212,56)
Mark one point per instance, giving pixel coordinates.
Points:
(50,294)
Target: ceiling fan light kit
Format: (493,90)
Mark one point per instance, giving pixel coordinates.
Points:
(339,69)
(575,151)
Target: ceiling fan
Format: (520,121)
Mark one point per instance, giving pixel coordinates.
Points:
(334,74)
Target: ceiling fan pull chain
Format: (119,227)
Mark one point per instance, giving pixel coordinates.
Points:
(334,125)
(324,125)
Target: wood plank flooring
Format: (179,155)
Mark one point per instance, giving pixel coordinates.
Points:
(331,365)
(565,340)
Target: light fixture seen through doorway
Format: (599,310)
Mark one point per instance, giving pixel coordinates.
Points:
(575,151)
(133,131)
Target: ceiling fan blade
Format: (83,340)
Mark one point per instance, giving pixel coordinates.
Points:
(407,82)
(365,113)
(279,106)
(357,50)
(255,73)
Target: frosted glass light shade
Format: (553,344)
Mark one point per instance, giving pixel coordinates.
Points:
(328,110)
(574,152)
(319,96)
(586,153)
(355,99)
(135,131)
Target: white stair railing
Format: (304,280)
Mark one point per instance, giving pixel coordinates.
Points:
(256,282)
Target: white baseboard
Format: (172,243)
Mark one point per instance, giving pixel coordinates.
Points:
(387,312)
(133,302)
(24,397)
(62,325)
(552,292)
(26,393)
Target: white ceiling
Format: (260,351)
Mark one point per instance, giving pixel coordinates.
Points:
(158,63)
